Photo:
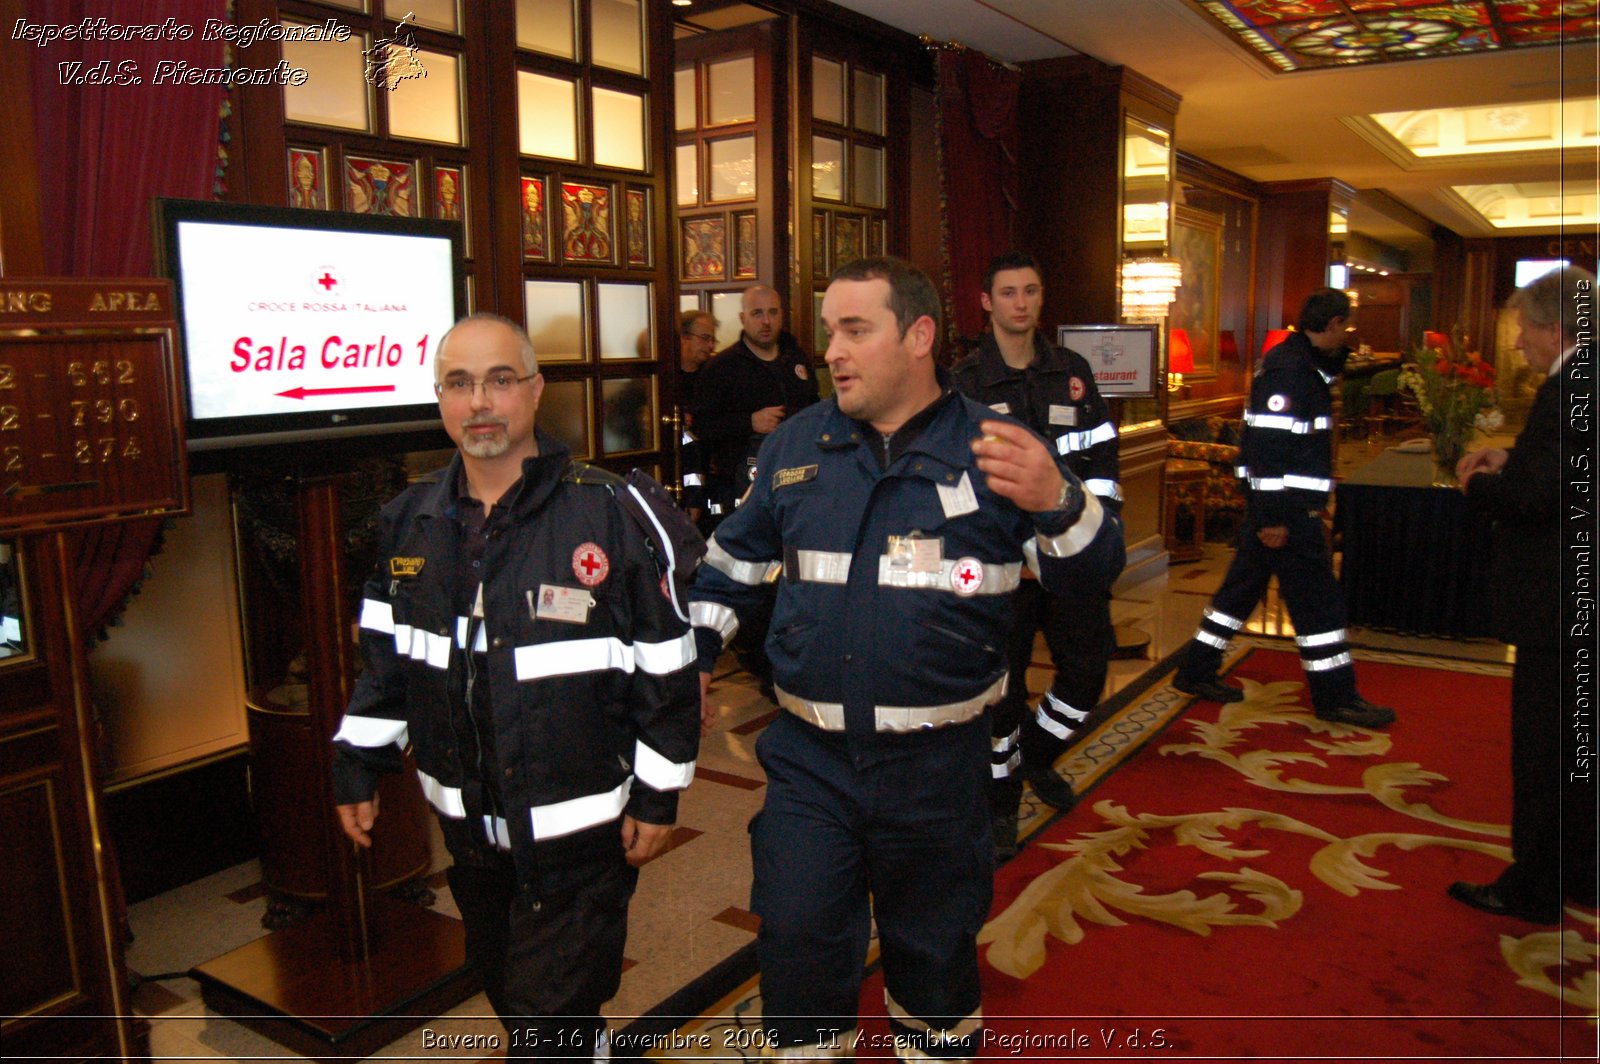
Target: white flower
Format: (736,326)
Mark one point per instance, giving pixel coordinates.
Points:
(1489,420)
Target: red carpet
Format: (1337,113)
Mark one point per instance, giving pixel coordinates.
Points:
(1255,883)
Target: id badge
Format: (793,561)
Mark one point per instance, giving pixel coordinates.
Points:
(552,602)
(916,553)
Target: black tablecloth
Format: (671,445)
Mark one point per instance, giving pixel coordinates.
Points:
(1415,557)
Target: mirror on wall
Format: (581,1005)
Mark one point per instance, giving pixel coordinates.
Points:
(14,641)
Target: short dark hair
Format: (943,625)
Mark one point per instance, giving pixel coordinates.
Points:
(1556,297)
(1320,308)
(911,294)
(1011,260)
(687,319)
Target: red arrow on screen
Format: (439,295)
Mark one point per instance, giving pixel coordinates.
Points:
(302,393)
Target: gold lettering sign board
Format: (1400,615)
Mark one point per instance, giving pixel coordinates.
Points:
(91,428)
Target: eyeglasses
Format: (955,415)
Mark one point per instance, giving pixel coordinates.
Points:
(704,337)
(495,386)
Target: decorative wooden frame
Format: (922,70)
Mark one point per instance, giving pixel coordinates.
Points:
(744,245)
(588,232)
(315,195)
(381,186)
(703,249)
(1197,244)
(639,234)
(535,218)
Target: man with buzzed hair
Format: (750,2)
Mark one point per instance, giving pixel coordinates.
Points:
(745,391)
(517,640)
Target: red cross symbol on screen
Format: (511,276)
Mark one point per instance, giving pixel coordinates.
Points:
(967,577)
(589,562)
(326,281)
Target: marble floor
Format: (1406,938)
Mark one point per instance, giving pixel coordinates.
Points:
(691,909)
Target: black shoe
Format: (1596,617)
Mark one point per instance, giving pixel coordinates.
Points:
(1360,713)
(1211,689)
(1484,897)
(1050,787)
(1003,826)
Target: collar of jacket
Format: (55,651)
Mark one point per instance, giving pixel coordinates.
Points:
(788,349)
(540,475)
(993,368)
(947,438)
(1297,349)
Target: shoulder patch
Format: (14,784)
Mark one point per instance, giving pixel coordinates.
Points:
(1278,403)
(798,475)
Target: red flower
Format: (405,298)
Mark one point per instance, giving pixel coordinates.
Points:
(1436,341)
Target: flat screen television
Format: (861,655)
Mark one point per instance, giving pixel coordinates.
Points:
(303,325)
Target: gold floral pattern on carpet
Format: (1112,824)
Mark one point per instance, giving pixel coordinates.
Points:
(1533,957)
(1277,703)
(1086,885)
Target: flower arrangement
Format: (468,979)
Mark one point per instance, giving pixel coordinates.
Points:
(1454,389)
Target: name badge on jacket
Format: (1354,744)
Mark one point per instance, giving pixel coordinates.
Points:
(958,499)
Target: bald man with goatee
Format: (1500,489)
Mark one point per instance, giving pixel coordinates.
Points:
(747,390)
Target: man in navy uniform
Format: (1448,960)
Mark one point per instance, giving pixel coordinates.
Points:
(893,520)
(1287,457)
(517,638)
(1552,806)
(1017,371)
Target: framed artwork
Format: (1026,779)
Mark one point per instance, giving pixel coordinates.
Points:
(1121,357)
(308,187)
(705,249)
(744,245)
(819,245)
(535,220)
(380,186)
(1197,244)
(849,238)
(586,229)
(875,237)
(449,193)
(638,227)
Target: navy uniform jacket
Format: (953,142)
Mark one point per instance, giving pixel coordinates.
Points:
(594,715)
(1524,499)
(1287,453)
(1056,397)
(895,584)
(734,385)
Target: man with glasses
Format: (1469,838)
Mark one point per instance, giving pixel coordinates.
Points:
(517,639)
(697,342)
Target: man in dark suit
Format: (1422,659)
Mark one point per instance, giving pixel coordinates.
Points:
(1552,813)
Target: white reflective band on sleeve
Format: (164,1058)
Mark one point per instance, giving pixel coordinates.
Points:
(829,716)
(1293,480)
(1104,487)
(1030,557)
(445,799)
(717,617)
(967,1026)
(1321,639)
(997,579)
(575,814)
(1220,642)
(1077,537)
(1070,442)
(421,645)
(822,566)
(752,573)
(1242,472)
(692,480)
(1218,617)
(570,657)
(1324,664)
(1285,423)
(1266,483)
(377,616)
(370,731)
(650,767)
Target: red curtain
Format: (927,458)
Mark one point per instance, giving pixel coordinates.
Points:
(978,163)
(104,152)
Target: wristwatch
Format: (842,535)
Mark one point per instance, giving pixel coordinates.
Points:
(1067,492)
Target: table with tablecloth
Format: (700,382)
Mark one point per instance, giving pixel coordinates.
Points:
(1416,559)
